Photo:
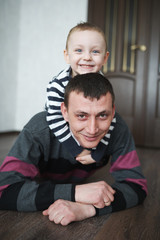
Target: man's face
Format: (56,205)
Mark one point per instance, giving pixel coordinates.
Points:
(89,120)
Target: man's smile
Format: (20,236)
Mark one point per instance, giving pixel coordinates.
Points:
(90,138)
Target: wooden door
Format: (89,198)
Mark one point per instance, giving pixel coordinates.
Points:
(133,35)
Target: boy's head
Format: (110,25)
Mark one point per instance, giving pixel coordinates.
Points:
(84,26)
(86,49)
(88,107)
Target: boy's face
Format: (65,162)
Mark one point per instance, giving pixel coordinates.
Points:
(89,119)
(86,52)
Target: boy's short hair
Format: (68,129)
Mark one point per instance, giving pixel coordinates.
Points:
(92,85)
(83,26)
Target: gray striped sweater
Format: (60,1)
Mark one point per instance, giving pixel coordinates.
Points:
(39,169)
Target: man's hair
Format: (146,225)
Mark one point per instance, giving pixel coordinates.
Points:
(92,85)
(83,26)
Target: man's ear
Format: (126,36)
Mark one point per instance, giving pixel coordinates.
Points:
(66,56)
(64,111)
(113,111)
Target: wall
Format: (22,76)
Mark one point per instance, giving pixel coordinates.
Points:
(32,43)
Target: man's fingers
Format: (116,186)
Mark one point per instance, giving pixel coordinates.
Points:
(111,189)
(110,197)
(45,212)
(107,203)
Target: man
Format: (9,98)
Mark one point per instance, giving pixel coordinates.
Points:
(41,174)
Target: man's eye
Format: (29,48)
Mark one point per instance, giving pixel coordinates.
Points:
(103,116)
(81,117)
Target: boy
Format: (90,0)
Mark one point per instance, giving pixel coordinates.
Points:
(86,52)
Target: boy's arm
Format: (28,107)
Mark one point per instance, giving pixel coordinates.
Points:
(56,122)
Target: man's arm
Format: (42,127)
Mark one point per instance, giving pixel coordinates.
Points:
(27,160)
(64,212)
(130,184)
(99,194)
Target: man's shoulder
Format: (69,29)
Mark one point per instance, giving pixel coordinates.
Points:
(37,122)
(120,122)
(121,128)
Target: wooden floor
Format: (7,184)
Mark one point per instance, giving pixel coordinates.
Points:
(141,222)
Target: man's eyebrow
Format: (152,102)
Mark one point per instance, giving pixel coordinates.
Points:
(99,113)
(81,112)
(104,112)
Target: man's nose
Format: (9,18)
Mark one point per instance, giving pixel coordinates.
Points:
(92,126)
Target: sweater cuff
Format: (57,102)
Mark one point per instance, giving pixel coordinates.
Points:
(73,192)
(97,211)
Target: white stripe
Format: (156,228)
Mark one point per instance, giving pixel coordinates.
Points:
(111,127)
(55,125)
(53,94)
(65,138)
(63,74)
(49,118)
(61,131)
(114,120)
(108,135)
(51,111)
(104,142)
(61,89)
(54,103)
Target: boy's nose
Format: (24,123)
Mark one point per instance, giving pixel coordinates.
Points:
(87,56)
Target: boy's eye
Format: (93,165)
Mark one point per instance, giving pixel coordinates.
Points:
(78,50)
(95,51)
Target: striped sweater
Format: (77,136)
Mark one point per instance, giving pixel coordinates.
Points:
(57,124)
(38,170)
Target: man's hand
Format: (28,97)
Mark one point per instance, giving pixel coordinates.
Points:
(64,212)
(99,194)
(85,157)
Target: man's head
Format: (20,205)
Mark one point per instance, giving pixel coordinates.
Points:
(86,49)
(88,108)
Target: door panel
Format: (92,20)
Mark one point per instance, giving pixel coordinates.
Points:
(132,34)
(153,88)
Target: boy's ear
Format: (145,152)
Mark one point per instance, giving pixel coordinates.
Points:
(66,56)
(64,111)
(106,57)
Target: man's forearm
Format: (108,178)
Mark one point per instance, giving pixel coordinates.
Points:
(30,196)
(99,194)
(64,212)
